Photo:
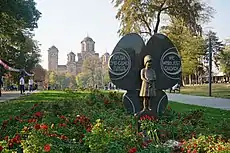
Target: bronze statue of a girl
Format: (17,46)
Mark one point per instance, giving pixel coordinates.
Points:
(148,77)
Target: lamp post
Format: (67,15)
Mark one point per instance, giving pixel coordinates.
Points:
(210,65)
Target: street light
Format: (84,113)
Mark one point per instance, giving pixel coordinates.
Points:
(210,60)
(210,65)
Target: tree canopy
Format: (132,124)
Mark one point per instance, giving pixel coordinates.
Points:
(144,16)
(217,47)
(190,47)
(92,66)
(18,15)
(18,20)
(225,59)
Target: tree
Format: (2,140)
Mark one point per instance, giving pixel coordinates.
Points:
(144,16)
(52,78)
(106,78)
(92,66)
(225,59)
(217,47)
(18,19)
(82,79)
(71,81)
(191,48)
(39,73)
(62,81)
(27,56)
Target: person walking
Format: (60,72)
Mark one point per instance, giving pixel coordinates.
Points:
(22,85)
(31,82)
(1,84)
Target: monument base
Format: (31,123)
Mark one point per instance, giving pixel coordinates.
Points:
(131,101)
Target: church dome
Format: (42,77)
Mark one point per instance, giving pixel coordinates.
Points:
(87,39)
(71,53)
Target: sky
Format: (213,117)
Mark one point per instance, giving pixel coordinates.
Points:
(66,23)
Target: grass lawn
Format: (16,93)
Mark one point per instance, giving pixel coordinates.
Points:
(218,90)
(54,103)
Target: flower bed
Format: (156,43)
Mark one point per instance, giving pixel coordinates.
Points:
(97,122)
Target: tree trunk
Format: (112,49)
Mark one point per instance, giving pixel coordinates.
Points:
(182,81)
(190,79)
(158,22)
(197,79)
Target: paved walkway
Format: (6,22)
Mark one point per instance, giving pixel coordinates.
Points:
(220,103)
(9,95)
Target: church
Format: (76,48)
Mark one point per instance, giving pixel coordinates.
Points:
(74,66)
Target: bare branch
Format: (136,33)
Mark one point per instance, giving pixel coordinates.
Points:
(145,32)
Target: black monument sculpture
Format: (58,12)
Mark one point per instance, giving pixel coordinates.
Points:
(126,65)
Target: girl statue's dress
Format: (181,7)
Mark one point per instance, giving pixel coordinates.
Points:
(148,77)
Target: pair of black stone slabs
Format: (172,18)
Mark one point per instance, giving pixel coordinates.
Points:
(127,60)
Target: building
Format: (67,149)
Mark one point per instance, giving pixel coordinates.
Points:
(217,75)
(74,66)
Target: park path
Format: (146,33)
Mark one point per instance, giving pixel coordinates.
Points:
(9,95)
(212,102)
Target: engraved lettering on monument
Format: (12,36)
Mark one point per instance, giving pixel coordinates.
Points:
(171,64)
(119,63)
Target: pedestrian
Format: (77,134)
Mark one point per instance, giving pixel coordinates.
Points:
(31,82)
(1,84)
(22,85)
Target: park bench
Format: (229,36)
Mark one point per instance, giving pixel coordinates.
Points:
(175,88)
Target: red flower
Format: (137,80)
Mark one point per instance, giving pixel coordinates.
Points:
(63,137)
(47,148)
(1,148)
(6,138)
(62,117)
(220,148)
(16,139)
(194,151)
(106,101)
(17,118)
(194,145)
(149,141)
(32,120)
(89,129)
(37,126)
(144,144)
(5,122)
(133,150)
(62,125)
(10,145)
(44,126)
(38,114)
(146,117)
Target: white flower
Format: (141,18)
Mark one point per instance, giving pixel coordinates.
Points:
(172,143)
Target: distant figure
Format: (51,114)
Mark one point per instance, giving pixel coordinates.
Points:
(31,82)
(1,84)
(22,85)
(36,86)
